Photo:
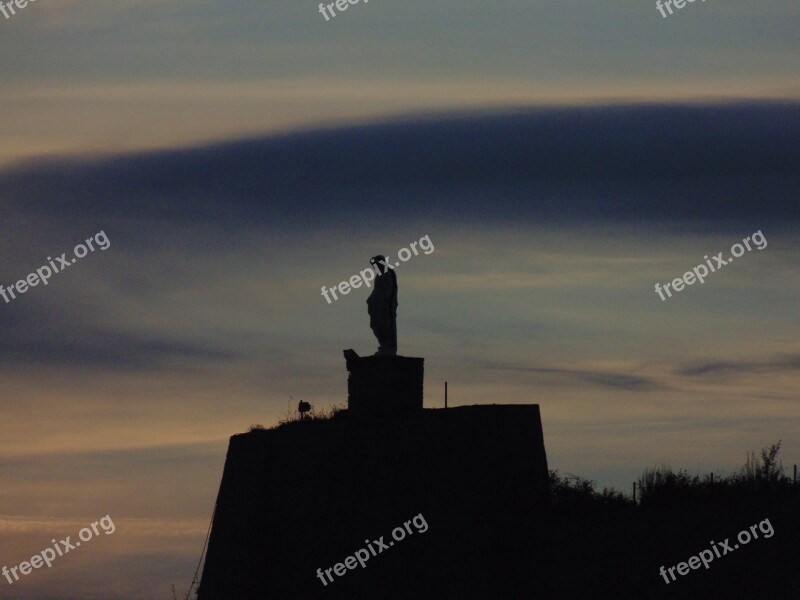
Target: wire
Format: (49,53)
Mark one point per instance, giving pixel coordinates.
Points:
(202,554)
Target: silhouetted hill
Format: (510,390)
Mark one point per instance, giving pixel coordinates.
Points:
(304,497)
(307,495)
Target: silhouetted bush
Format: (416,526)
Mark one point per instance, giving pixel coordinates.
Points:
(764,475)
(573,493)
(662,485)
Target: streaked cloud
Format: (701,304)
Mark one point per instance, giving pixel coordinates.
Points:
(732,368)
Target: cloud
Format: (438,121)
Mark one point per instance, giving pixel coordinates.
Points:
(722,165)
(110,350)
(38,334)
(605,379)
(784,364)
(47,526)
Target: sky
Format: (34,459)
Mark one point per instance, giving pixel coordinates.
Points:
(561,157)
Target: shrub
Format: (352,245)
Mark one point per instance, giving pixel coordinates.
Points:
(662,485)
(764,475)
(573,493)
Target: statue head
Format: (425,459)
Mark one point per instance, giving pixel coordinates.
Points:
(377,262)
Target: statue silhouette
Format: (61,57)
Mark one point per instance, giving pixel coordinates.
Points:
(382,307)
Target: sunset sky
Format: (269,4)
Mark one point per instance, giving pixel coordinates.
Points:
(563,158)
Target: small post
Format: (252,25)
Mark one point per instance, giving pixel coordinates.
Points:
(634,492)
(445,404)
(712,479)
(795,473)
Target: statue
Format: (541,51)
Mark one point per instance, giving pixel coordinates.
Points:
(382,307)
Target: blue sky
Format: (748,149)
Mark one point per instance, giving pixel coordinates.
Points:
(562,157)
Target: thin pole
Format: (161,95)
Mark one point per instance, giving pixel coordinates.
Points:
(445,404)
(634,492)
(795,473)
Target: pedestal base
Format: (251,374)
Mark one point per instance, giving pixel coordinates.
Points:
(383,385)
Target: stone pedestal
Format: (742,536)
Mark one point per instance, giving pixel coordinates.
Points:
(383,385)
